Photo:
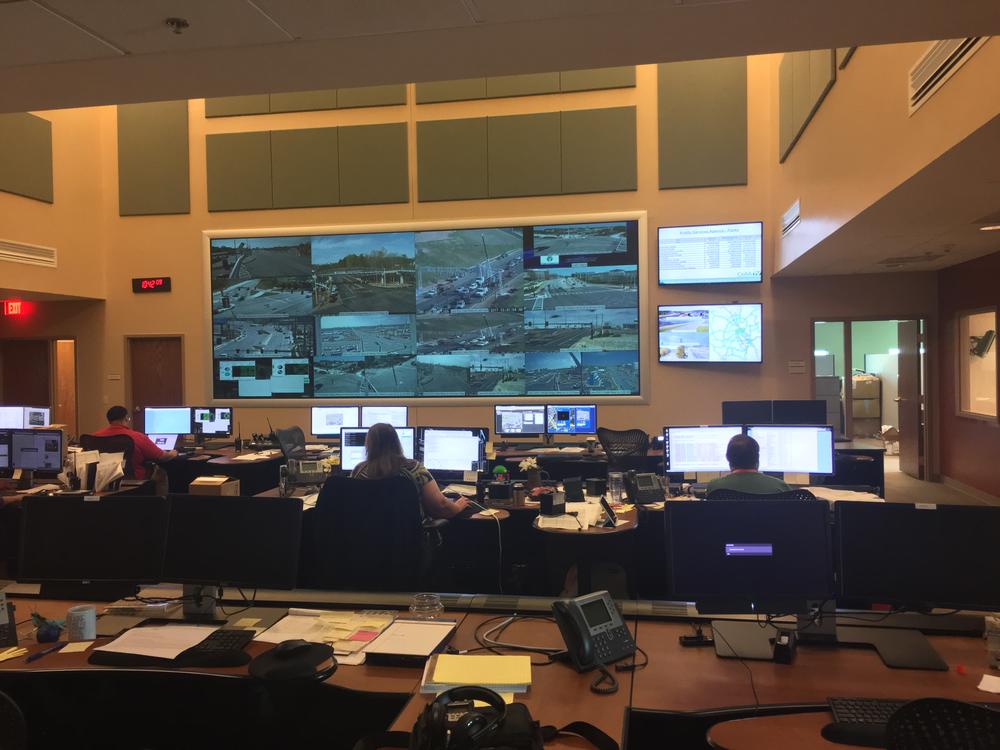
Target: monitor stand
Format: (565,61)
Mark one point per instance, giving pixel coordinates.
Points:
(200,603)
(743,639)
(899,648)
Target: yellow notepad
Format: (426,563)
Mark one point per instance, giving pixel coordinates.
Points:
(455,669)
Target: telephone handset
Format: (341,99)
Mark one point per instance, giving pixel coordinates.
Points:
(643,489)
(593,630)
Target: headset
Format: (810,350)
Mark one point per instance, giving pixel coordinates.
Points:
(471,731)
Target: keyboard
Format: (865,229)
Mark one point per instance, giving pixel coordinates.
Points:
(863,710)
(221,648)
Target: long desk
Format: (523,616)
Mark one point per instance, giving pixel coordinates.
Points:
(255,475)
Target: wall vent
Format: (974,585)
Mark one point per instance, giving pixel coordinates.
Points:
(32,255)
(939,63)
(790,219)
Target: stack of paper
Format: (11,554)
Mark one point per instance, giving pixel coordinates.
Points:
(161,641)
(569,523)
(347,632)
(502,674)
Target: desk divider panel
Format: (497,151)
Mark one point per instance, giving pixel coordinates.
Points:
(26,156)
(153,159)
(239,171)
(452,161)
(305,167)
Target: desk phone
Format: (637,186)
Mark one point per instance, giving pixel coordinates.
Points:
(643,488)
(593,630)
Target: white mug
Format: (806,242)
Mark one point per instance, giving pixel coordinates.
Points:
(81,623)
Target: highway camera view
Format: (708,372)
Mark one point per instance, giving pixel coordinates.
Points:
(543,310)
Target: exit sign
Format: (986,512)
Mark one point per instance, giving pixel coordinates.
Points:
(13,307)
(151,284)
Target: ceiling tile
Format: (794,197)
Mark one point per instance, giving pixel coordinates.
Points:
(31,35)
(309,19)
(138,26)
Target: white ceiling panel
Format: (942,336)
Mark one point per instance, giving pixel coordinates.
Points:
(138,25)
(332,19)
(23,25)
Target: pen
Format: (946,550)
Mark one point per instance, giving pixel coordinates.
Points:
(39,654)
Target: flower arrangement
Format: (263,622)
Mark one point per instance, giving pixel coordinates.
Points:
(528,464)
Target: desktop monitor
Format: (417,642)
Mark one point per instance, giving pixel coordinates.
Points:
(234,541)
(394,415)
(521,419)
(111,538)
(166,420)
(23,417)
(697,448)
(453,449)
(36,450)
(805,411)
(327,420)
(215,421)
(749,556)
(4,450)
(572,419)
(796,449)
(352,445)
(11,417)
(747,412)
(918,556)
(37,416)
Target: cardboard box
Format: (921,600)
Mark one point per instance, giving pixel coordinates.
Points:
(868,408)
(214,485)
(866,386)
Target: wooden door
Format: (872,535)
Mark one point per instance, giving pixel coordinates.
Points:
(64,372)
(155,373)
(910,400)
(25,378)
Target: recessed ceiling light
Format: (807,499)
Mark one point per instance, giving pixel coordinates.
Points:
(990,228)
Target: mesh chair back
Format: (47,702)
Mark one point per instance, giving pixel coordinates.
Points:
(942,724)
(112,444)
(724,493)
(625,449)
(292,441)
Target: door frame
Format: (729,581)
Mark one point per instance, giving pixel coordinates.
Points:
(127,364)
(957,365)
(930,372)
(51,341)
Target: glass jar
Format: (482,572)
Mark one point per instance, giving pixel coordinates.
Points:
(426,607)
(615,486)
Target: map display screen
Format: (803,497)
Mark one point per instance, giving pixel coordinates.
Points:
(709,333)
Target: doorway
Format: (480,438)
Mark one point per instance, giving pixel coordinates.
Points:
(155,374)
(41,372)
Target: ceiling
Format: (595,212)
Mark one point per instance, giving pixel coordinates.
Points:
(930,221)
(70,53)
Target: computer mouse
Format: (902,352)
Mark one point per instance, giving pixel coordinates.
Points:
(850,733)
(288,649)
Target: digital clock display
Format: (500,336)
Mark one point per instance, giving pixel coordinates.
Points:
(151,284)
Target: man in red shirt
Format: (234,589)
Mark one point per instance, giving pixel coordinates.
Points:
(143,448)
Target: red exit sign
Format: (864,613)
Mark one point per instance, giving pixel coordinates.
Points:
(151,284)
(13,307)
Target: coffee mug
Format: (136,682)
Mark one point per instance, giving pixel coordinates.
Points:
(81,623)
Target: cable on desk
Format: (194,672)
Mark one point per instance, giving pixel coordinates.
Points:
(634,665)
(487,643)
(499,554)
(252,600)
(753,687)
(605,683)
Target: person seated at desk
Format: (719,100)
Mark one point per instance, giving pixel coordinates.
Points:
(143,448)
(743,455)
(385,459)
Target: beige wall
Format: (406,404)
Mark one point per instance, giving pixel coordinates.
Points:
(679,393)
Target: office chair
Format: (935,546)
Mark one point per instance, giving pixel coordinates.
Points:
(113,444)
(369,534)
(625,449)
(942,724)
(292,441)
(13,727)
(724,493)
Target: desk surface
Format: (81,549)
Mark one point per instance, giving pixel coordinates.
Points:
(801,731)
(630,517)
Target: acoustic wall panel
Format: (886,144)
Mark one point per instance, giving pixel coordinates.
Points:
(230,106)
(524,155)
(594,79)
(26,156)
(451,91)
(804,79)
(786,117)
(371,96)
(452,160)
(598,150)
(239,171)
(522,85)
(305,168)
(153,171)
(373,164)
(703,123)
(303,101)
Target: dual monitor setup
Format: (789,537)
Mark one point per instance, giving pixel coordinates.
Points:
(448,452)
(793,449)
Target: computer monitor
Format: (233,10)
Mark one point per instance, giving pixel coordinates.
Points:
(747,412)
(11,417)
(23,417)
(213,421)
(394,415)
(797,449)
(167,420)
(804,411)
(519,419)
(453,449)
(37,416)
(36,450)
(571,419)
(327,420)
(235,541)
(749,556)
(73,539)
(697,448)
(918,556)
(352,445)
(4,450)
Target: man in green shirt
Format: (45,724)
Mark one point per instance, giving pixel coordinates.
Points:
(743,454)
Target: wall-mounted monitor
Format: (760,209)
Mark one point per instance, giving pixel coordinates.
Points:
(797,449)
(698,448)
(212,420)
(571,419)
(327,421)
(711,253)
(352,445)
(519,419)
(504,311)
(394,415)
(710,333)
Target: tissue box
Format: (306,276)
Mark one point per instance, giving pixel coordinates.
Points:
(215,485)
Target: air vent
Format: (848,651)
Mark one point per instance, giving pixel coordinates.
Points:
(939,63)
(901,261)
(32,255)
(790,219)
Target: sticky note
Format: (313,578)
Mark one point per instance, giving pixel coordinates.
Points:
(76,646)
(364,636)
(246,622)
(483,670)
(989,684)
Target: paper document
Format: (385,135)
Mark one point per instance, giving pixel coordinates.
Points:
(412,637)
(489,512)
(570,523)
(250,457)
(466,669)
(40,488)
(347,632)
(109,468)
(464,490)
(309,501)
(990,683)
(588,513)
(160,641)
(572,449)
(827,493)
(546,450)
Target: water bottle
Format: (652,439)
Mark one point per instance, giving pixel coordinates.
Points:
(615,486)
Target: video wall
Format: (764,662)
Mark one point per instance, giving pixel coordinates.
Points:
(548,310)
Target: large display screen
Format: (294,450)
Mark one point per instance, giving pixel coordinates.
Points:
(711,254)
(710,333)
(497,311)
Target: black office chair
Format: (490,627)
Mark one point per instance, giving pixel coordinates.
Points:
(625,449)
(942,724)
(13,727)
(114,444)
(724,493)
(369,534)
(292,441)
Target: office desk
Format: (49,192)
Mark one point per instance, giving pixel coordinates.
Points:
(592,543)
(801,731)
(255,476)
